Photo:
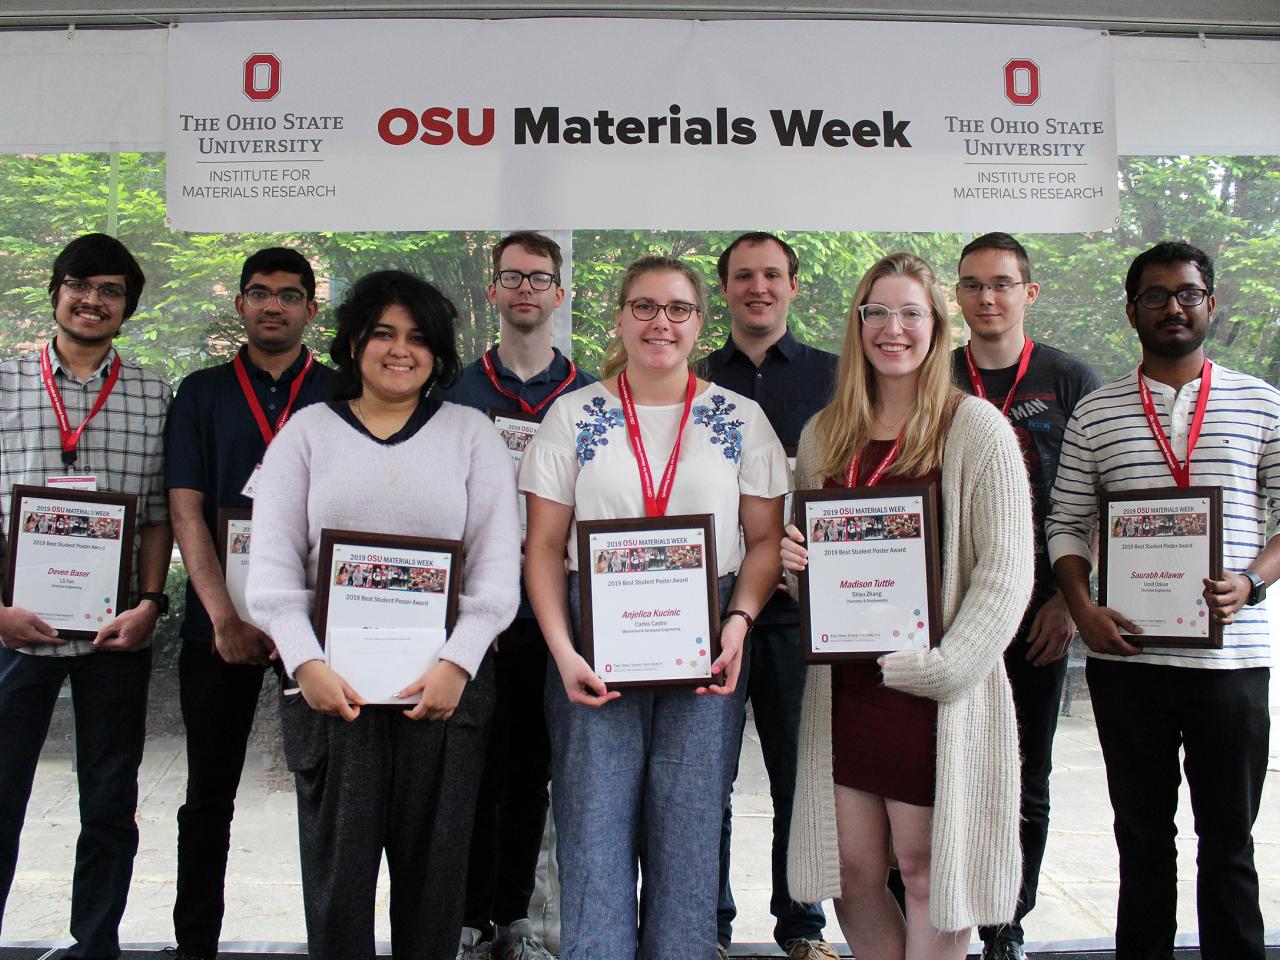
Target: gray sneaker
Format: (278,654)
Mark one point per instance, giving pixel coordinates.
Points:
(517,942)
(470,947)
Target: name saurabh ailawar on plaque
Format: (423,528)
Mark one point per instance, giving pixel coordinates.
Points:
(70,555)
(1156,548)
(871,583)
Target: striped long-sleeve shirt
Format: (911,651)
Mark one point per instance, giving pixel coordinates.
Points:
(1109,446)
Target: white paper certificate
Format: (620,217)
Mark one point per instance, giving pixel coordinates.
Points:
(648,599)
(69,556)
(871,574)
(517,430)
(233,536)
(1159,545)
(384,608)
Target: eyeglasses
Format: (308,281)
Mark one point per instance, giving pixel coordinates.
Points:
(260,297)
(677,311)
(1157,297)
(79,289)
(972,288)
(911,317)
(538,280)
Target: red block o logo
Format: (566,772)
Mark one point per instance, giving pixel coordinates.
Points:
(1022,82)
(262,76)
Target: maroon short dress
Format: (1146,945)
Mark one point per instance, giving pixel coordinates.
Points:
(883,741)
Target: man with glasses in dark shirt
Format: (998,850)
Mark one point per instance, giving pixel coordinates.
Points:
(220,424)
(524,374)
(759,277)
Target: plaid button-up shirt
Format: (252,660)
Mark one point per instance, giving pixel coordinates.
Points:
(123,446)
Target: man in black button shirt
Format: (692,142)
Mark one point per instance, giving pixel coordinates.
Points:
(791,382)
(220,424)
(1036,387)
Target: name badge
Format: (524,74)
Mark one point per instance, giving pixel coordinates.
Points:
(251,484)
(83,482)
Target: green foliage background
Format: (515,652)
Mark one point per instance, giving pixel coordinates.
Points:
(1230,206)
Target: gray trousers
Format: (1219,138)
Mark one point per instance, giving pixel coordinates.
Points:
(385,782)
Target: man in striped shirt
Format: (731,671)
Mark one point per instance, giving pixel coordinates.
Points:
(1149,701)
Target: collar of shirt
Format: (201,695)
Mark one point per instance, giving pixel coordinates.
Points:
(556,370)
(55,363)
(1178,406)
(786,346)
(257,372)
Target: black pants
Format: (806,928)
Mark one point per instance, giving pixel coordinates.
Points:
(1145,712)
(109,695)
(511,809)
(386,783)
(1037,692)
(218,704)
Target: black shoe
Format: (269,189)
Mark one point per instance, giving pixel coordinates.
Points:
(1002,949)
(177,953)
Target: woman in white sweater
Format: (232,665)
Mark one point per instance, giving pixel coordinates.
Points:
(387,457)
(917,753)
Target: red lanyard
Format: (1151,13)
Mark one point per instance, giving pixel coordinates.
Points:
(851,475)
(71,438)
(655,504)
(1181,471)
(492,374)
(975,376)
(255,407)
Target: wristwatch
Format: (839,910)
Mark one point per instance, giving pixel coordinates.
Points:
(161,600)
(1259,590)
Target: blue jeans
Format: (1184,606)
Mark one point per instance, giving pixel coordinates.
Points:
(776,690)
(109,695)
(641,782)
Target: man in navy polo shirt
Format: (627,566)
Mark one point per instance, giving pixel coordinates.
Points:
(791,382)
(220,424)
(525,373)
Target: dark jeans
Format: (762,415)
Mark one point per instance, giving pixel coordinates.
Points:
(1037,691)
(1145,712)
(109,696)
(776,689)
(511,810)
(218,703)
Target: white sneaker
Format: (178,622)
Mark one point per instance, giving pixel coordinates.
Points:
(470,947)
(517,942)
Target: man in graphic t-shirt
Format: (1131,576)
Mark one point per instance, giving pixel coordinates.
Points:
(1036,387)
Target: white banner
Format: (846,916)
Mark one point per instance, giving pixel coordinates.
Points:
(642,124)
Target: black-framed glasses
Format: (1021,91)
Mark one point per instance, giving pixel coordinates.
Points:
(1157,297)
(261,296)
(79,289)
(538,280)
(972,288)
(677,311)
(911,317)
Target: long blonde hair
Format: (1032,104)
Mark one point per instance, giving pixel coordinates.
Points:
(615,357)
(844,425)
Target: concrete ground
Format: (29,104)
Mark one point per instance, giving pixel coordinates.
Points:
(264,898)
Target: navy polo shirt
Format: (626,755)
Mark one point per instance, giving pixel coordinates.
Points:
(213,443)
(793,383)
(474,389)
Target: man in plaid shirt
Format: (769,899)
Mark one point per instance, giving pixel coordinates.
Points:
(112,436)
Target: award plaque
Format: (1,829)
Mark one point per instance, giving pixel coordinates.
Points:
(516,429)
(1155,548)
(70,556)
(650,600)
(871,586)
(384,607)
(234,529)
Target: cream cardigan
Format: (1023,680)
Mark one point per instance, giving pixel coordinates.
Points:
(987,568)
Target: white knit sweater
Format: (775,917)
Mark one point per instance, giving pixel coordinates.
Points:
(451,480)
(987,568)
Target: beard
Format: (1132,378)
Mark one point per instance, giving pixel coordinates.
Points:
(1154,342)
